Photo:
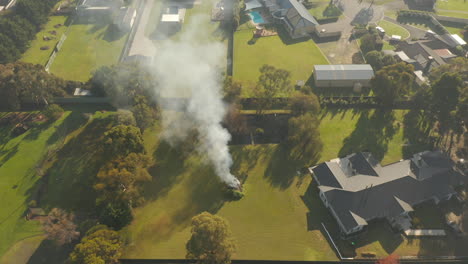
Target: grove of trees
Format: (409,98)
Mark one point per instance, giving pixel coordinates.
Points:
(24,83)
(393,82)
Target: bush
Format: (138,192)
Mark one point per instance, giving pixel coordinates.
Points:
(116,215)
(53,112)
(332,11)
(233,195)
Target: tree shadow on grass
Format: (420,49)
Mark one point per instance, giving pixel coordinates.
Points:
(112,33)
(167,169)
(373,131)
(8,154)
(72,122)
(71,178)
(282,170)
(48,253)
(416,131)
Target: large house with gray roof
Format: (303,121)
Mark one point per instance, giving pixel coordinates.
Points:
(357,189)
(297,21)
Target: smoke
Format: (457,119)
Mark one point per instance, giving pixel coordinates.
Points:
(189,68)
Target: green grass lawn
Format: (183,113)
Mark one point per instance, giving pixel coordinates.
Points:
(298,58)
(393,29)
(88,47)
(19,157)
(280,217)
(37,56)
(458,5)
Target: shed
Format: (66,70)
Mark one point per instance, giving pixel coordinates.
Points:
(170,18)
(35,213)
(347,75)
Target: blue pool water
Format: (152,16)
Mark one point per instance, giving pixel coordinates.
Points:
(256,17)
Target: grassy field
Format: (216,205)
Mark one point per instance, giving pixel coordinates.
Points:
(19,157)
(20,160)
(457,5)
(37,56)
(394,29)
(88,47)
(279,210)
(463,14)
(298,58)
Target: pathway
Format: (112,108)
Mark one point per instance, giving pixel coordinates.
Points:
(141,44)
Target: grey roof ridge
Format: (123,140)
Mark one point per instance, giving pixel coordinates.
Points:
(300,8)
(359,220)
(404,205)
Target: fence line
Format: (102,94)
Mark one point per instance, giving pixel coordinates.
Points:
(58,46)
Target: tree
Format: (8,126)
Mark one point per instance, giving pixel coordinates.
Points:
(53,112)
(125,117)
(24,83)
(378,60)
(272,83)
(8,51)
(458,65)
(304,138)
(235,121)
(210,242)
(122,83)
(121,180)
(122,140)
(116,215)
(301,103)
(445,92)
(231,90)
(59,226)
(368,43)
(100,247)
(143,113)
(393,82)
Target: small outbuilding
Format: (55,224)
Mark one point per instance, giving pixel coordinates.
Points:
(347,75)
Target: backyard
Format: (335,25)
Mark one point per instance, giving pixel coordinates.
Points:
(279,205)
(453,8)
(88,46)
(54,30)
(296,57)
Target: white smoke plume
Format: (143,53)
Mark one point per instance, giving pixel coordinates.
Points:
(190,68)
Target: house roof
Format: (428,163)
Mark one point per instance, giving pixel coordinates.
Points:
(344,72)
(357,185)
(252,4)
(295,13)
(421,53)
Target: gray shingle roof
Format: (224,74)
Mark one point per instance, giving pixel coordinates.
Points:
(296,13)
(344,72)
(395,189)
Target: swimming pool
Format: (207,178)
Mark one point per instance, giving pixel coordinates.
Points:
(256,17)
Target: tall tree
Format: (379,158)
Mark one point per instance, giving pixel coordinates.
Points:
(142,111)
(446,91)
(393,82)
(231,90)
(211,241)
(59,226)
(122,140)
(100,247)
(304,138)
(121,179)
(301,103)
(272,83)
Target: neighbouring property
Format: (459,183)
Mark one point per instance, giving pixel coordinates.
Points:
(295,18)
(358,190)
(421,4)
(123,17)
(355,76)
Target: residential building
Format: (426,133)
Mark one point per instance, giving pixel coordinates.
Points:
(357,189)
(296,19)
(346,75)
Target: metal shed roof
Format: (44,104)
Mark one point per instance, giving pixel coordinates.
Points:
(343,72)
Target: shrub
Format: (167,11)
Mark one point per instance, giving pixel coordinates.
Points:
(233,195)
(53,112)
